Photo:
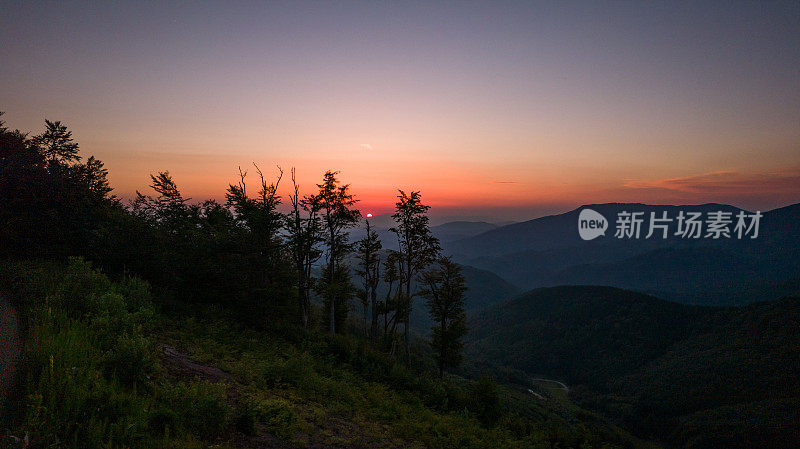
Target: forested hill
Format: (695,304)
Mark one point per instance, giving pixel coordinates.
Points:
(580,334)
(662,369)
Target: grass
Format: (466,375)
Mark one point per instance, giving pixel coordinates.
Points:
(93,379)
(314,398)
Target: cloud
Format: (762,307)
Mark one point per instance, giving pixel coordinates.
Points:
(785,181)
(366,146)
(505,182)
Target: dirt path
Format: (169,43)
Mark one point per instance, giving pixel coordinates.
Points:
(332,427)
(10,349)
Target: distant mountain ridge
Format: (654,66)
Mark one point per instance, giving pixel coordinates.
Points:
(556,231)
(548,251)
(445,232)
(456,230)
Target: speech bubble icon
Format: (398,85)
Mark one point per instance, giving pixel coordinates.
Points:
(591,224)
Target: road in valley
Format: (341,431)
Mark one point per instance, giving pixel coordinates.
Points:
(561,385)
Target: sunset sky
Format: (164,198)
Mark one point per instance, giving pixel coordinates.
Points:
(494,111)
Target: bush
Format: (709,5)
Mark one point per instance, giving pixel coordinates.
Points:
(136,293)
(84,291)
(277,416)
(201,407)
(486,401)
(246,416)
(130,360)
(162,421)
(84,352)
(341,348)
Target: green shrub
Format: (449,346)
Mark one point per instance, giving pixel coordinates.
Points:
(201,406)
(296,370)
(278,417)
(84,353)
(162,421)
(71,401)
(341,348)
(401,378)
(130,360)
(486,401)
(79,289)
(246,417)
(136,293)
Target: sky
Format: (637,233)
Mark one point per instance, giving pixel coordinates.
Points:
(494,110)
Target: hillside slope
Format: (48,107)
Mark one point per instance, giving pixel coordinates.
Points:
(661,369)
(577,333)
(104,368)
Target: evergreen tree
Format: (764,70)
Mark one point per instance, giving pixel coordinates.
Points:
(56,143)
(95,177)
(169,209)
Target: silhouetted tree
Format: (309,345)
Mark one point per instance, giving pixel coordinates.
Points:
(268,265)
(260,215)
(390,307)
(418,248)
(338,214)
(168,210)
(304,233)
(95,176)
(369,269)
(56,143)
(443,287)
(171,223)
(50,205)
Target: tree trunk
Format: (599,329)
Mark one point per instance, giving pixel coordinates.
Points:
(332,307)
(374,304)
(301,288)
(407,315)
(406,341)
(443,325)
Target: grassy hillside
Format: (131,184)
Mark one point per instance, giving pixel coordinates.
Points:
(693,376)
(105,369)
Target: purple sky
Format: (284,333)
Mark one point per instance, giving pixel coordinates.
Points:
(494,110)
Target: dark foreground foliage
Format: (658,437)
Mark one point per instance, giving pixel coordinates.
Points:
(95,376)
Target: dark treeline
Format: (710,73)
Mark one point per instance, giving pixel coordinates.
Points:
(244,256)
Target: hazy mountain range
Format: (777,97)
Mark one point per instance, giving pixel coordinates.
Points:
(446,232)
(548,251)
